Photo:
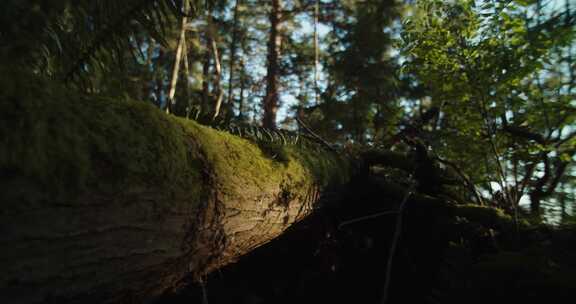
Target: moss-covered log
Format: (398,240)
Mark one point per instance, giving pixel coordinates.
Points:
(108,199)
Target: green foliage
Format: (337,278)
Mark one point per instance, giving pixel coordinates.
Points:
(505,94)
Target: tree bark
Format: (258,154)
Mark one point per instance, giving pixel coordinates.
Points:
(241,116)
(206,98)
(233,47)
(316,53)
(105,201)
(270,101)
(217,76)
(180,49)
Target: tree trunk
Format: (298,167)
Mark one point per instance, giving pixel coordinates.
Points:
(217,76)
(206,98)
(148,88)
(106,201)
(158,75)
(233,47)
(180,49)
(241,116)
(316,53)
(270,102)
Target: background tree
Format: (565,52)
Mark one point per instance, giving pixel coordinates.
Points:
(359,92)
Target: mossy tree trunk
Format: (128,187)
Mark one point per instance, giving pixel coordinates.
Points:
(105,200)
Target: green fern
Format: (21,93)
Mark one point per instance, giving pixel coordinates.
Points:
(67,39)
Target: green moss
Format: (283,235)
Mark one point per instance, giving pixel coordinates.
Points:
(491,217)
(244,169)
(327,167)
(65,142)
(274,151)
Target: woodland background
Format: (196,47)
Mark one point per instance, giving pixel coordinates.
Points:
(486,87)
(487,84)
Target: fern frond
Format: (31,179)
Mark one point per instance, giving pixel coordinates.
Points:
(66,39)
(113,25)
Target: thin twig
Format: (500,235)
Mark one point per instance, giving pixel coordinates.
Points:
(366,217)
(314,135)
(465,178)
(204,291)
(394,245)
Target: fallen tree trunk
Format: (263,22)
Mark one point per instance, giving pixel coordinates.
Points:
(106,200)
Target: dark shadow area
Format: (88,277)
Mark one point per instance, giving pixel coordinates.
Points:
(315,261)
